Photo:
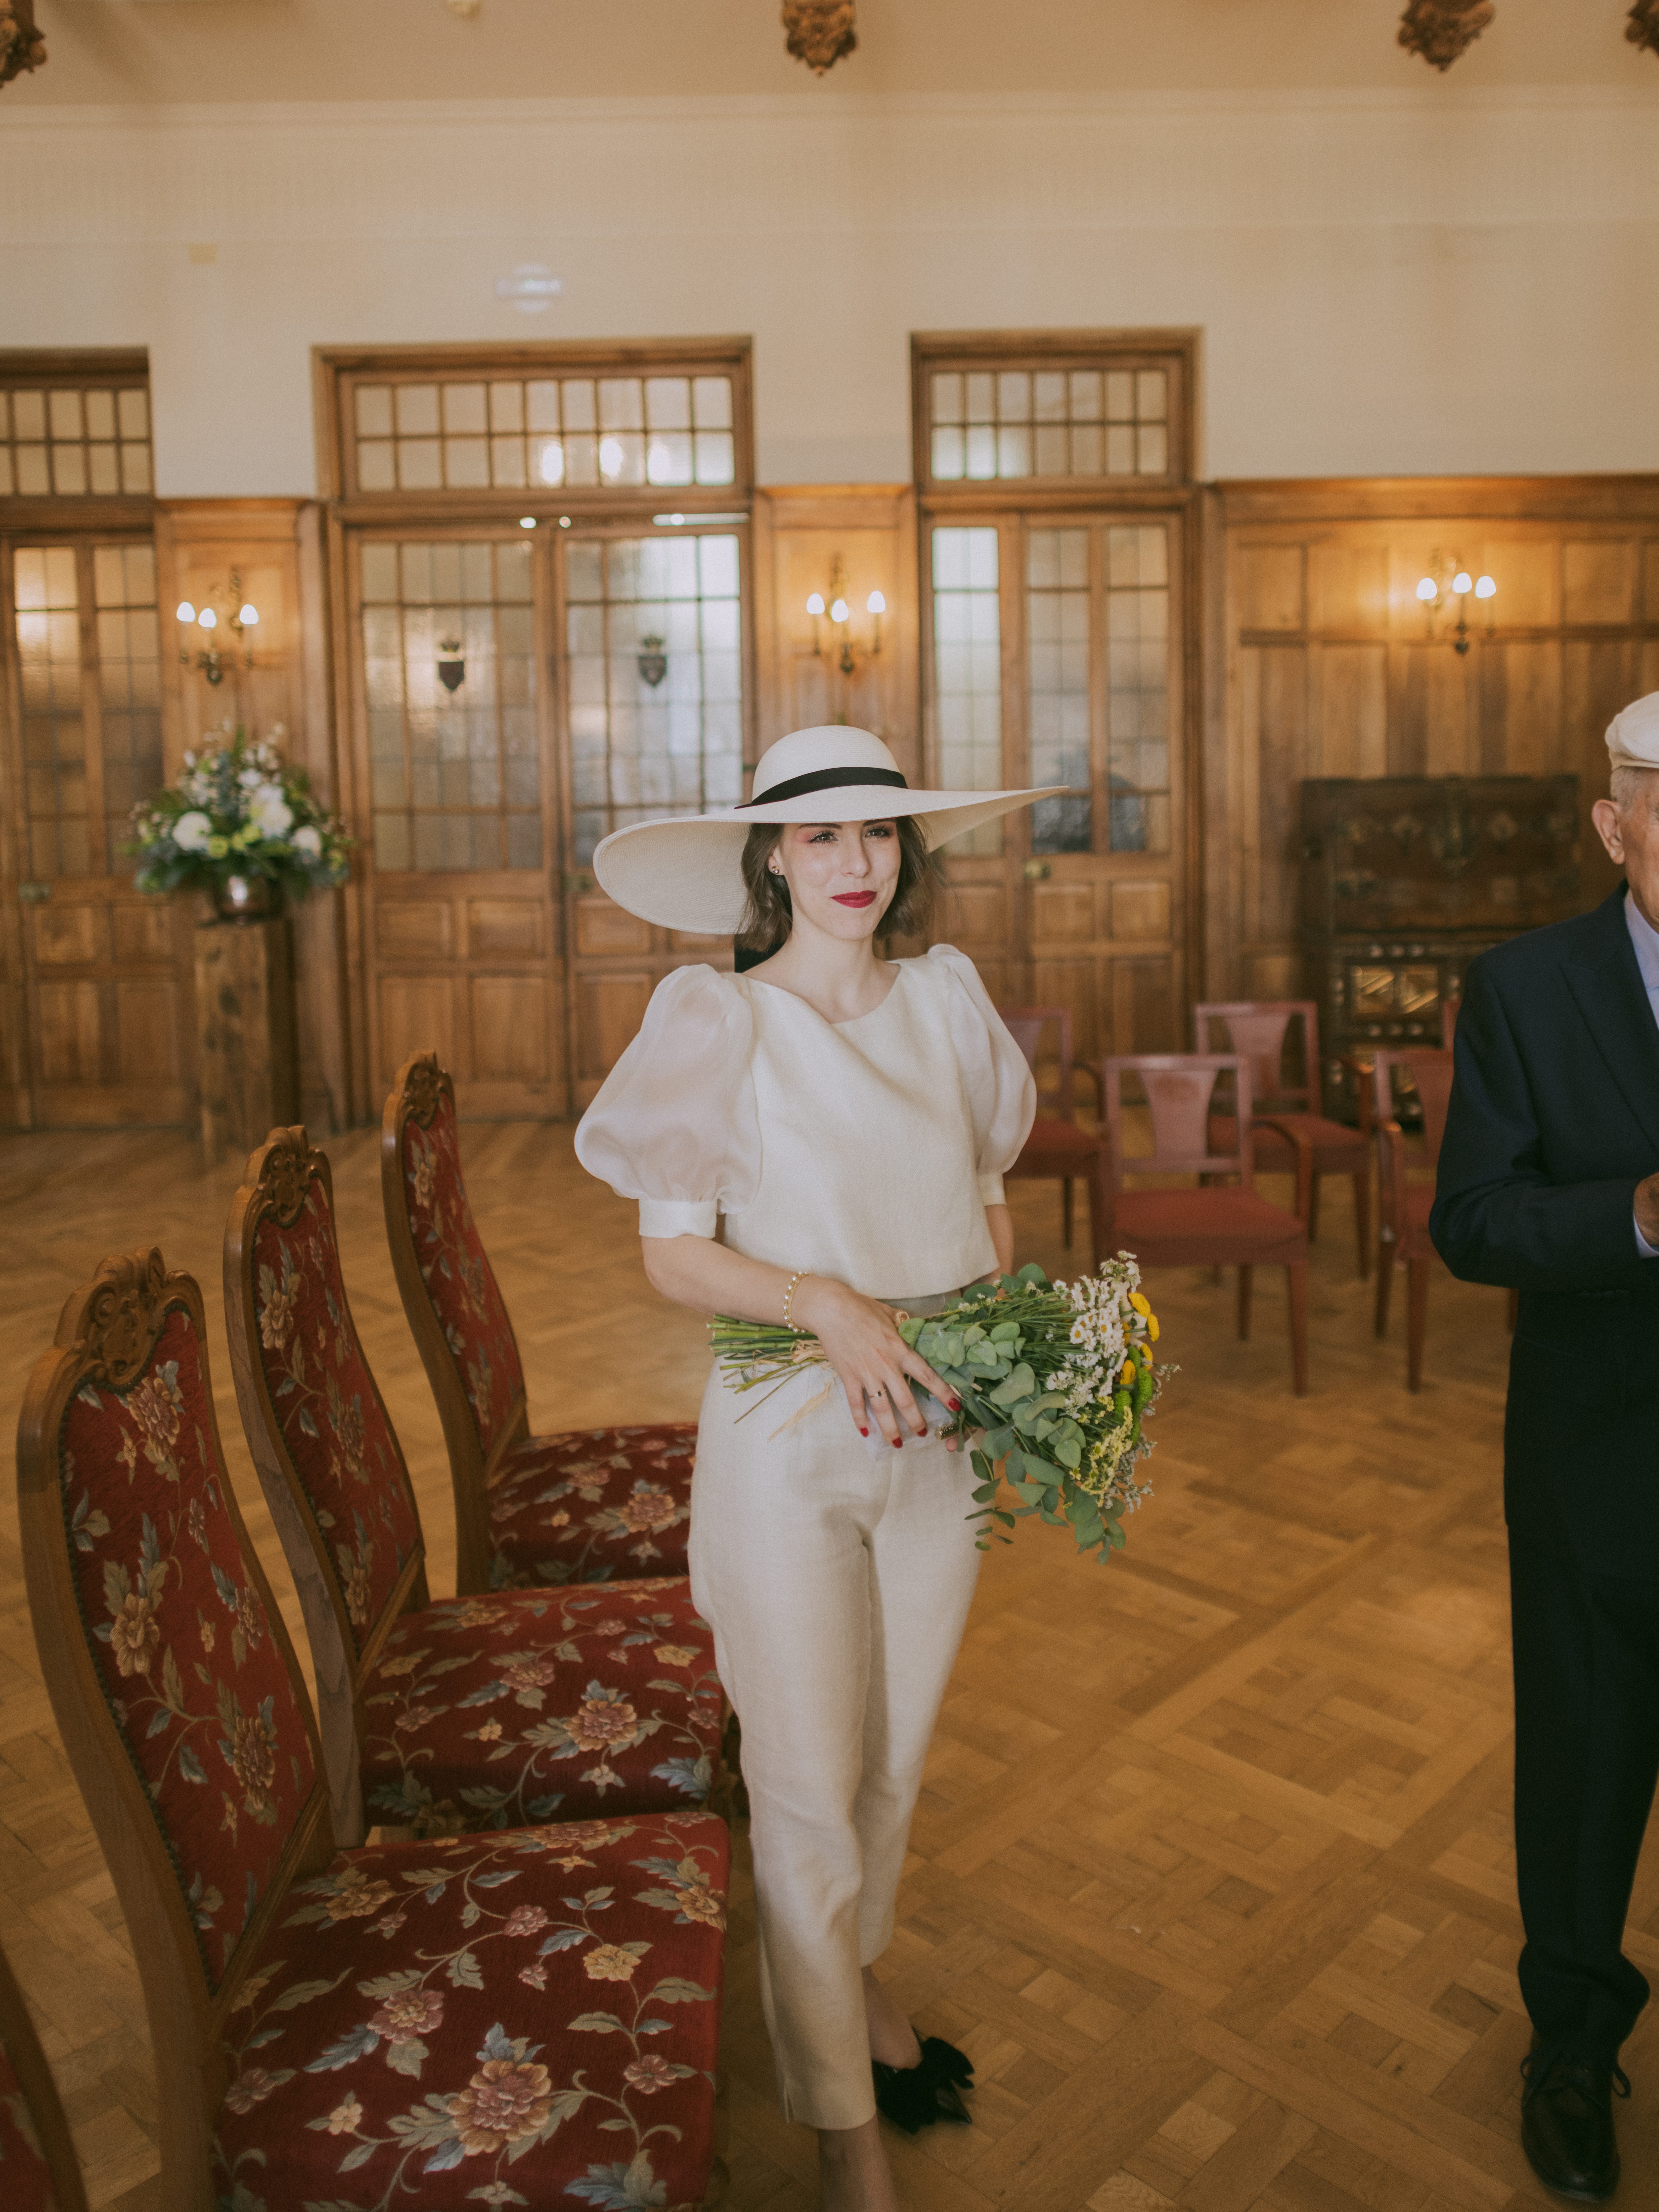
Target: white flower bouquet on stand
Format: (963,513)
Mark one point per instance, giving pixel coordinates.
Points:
(241,824)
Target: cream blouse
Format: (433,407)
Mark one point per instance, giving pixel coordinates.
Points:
(865,1149)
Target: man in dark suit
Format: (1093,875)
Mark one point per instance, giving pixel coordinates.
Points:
(1548,1183)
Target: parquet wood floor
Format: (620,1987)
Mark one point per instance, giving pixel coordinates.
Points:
(1212,1874)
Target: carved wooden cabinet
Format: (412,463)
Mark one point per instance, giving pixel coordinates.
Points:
(1405,879)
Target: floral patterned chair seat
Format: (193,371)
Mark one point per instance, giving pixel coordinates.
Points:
(531,1705)
(480,1711)
(565,1507)
(531,2019)
(592,1505)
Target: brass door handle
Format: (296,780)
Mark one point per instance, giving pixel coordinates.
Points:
(1037,872)
(32,894)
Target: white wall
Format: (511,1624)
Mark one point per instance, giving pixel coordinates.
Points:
(1387,282)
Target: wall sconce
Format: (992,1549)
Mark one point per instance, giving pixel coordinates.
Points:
(1450,585)
(239,617)
(452,664)
(841,648)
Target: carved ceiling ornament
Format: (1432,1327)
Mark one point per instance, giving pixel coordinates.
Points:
(820,31)
(1441,30)
(21,46)
(1643,28)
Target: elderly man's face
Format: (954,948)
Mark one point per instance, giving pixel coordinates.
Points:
(1633,841)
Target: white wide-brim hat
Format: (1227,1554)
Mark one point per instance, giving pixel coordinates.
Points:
(684,872)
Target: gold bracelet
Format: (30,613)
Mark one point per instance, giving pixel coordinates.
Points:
(789,1299)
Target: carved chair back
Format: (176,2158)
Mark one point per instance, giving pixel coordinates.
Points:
(37,2164)
(1259,1029)
(451,1296)
(327,1456)
(1026,1025)
(174,1686)
(1429,1074)
(1449,1010)
(1179,1090)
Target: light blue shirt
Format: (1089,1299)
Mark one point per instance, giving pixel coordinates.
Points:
(1645,939)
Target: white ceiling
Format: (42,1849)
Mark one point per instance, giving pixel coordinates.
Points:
(219,51)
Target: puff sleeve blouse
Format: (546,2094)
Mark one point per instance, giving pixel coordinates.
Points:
(865,1149)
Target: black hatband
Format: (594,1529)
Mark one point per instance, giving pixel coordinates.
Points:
(825,779)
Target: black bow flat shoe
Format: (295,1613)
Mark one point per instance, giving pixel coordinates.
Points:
(914,2097)
(1566,2123)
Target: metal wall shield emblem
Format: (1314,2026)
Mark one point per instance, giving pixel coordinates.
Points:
(653,661)
(452,664)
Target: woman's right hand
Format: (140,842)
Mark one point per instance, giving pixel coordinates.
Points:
(861,1342)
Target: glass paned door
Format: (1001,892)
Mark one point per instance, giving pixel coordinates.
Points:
(653,632)
(1054,661)
(104,967)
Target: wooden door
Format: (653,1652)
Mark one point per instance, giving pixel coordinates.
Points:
(654,651)
(105,969)
(1055,658)
(457,812)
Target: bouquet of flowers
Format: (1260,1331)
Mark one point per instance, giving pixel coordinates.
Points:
(1058,1377)
(238,810)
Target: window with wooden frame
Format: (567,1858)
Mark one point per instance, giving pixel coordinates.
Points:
(1053,474)
(75,426)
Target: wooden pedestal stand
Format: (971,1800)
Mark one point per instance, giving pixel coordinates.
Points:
(249,1044)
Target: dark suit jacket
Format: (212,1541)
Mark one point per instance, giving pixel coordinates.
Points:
(1554,1120)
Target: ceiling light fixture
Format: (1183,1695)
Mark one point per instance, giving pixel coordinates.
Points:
(1443,30)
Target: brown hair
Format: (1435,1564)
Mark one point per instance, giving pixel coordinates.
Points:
(768,914)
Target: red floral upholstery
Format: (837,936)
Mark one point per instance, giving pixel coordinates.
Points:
(197,1684)
(25,2182)
(593,1505)
(457,1274)
(531,2019)
(486,1711)
(332,1421)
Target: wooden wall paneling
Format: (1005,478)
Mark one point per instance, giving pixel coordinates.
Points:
(1328,669)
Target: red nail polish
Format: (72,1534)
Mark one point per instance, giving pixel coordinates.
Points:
(955,1405)
(864,1432)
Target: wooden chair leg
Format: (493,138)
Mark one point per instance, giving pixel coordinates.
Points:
(1313,1208)
(1511,1310)
(1100,1226)
(1417,1316)
(1067,1209)
(1384,1283)
(1245,1275)
(1362,1218)
(1296,1285)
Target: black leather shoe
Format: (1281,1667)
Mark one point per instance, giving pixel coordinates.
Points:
(1566,2123)
(914,2097)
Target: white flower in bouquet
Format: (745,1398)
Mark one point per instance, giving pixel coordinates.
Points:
(308,840)
(268,812)
(191,831)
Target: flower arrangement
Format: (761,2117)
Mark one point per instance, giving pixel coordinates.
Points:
(239,809)
(1057,1379)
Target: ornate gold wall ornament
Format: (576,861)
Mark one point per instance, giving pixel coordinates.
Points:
(1643,28)
(1441,30)
(21,46)
(820,31)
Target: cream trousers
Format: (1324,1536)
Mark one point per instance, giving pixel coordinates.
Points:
(837,1587)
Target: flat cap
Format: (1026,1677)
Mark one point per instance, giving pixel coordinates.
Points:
(1633,734)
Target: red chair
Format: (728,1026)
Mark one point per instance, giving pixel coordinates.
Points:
(1057,1150)
(583,1505)
(1403,1238)
(1259,1028)
(469,1712)
(1223,1224)
(448,2021)
(39,2169)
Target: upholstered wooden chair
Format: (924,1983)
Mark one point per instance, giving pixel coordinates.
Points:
(1057,1149)
(473,1711)
(582,1505)
(39,2169)
(1225,1222)
(1260,1029)
(452,2019)
(1402,1231)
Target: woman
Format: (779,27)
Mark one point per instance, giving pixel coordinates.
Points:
(818,1141)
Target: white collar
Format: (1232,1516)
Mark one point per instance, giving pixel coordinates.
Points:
(1645,939)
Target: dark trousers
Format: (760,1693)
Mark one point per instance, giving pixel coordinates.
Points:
(1586,1760)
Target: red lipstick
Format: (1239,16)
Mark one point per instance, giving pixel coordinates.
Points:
(855,898)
